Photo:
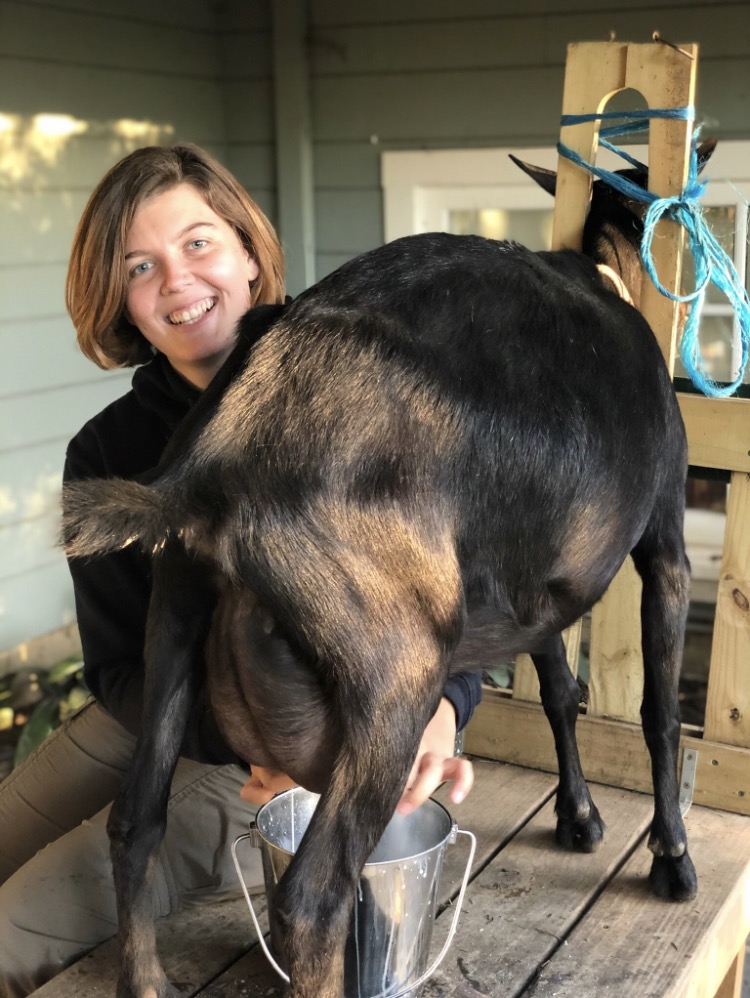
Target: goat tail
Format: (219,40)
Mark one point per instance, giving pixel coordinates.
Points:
(107,514)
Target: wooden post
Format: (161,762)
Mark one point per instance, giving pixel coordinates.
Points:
(728,700)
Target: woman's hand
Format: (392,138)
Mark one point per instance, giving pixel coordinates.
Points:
(435,763)
(264,784)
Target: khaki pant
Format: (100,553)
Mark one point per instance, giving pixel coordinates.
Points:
(56,891)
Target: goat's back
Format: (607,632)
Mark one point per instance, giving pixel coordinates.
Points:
(464,380)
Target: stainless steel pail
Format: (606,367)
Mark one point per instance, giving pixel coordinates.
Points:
(387,951)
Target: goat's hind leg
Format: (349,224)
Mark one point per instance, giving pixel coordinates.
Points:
(315,898)
(180,609)
(579,824)
(387,659)
(661,561)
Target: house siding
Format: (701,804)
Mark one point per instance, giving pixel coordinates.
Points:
(447,74)
(127,74)
(420,75)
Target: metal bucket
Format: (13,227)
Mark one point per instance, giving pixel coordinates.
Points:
(387,950)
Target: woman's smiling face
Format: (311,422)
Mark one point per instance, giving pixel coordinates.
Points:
(188,281)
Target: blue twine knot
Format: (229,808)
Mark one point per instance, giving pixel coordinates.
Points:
(711,262)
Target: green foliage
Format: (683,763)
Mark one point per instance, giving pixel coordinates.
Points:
(33,702)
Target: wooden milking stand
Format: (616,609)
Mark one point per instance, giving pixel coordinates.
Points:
(511,727)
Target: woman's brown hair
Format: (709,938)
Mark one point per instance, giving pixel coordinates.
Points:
(96,286)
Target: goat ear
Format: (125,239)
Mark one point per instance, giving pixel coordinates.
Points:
(547,179)
(705,151)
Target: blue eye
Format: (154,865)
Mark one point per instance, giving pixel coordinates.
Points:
(199,243)
(140,268)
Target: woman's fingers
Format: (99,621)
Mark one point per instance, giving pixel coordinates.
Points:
(264,784)
(432,771)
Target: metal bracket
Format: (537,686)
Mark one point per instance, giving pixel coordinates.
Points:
(687,779)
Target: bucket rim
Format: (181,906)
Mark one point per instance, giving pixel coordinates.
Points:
(452,826)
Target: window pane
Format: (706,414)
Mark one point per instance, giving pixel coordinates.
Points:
(716,339)
(532,227)
(721,221)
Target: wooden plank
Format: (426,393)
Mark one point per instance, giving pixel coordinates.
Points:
(728,698)
(612,752)
(718,431)
(349,221)
(58,359)
(208,941)
(40,223)
(616,669)
(192,13)
(525,679)
(30,291)
(503,799)
(195,944)
(593,72)
(529,897)
(666,79)
(499,38)
(432,106)
(731,986)
(175,107)
(659,950)
(30,544)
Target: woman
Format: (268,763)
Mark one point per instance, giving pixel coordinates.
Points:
(169,253)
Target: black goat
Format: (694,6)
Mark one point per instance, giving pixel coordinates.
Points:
(449,436)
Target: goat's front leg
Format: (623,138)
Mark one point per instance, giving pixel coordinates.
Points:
(180,609)
(579,824)
(661,561)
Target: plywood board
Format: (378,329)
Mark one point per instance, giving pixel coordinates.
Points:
(612,752)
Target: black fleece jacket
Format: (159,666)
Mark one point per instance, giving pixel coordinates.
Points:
(112,593)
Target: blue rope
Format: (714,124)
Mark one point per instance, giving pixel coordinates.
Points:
(712,263)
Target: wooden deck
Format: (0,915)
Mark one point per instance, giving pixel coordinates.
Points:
(536,921)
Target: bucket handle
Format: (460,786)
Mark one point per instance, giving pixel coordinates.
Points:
(252,834)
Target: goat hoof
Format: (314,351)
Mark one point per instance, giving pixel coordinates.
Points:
(581,835)
(673,878)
